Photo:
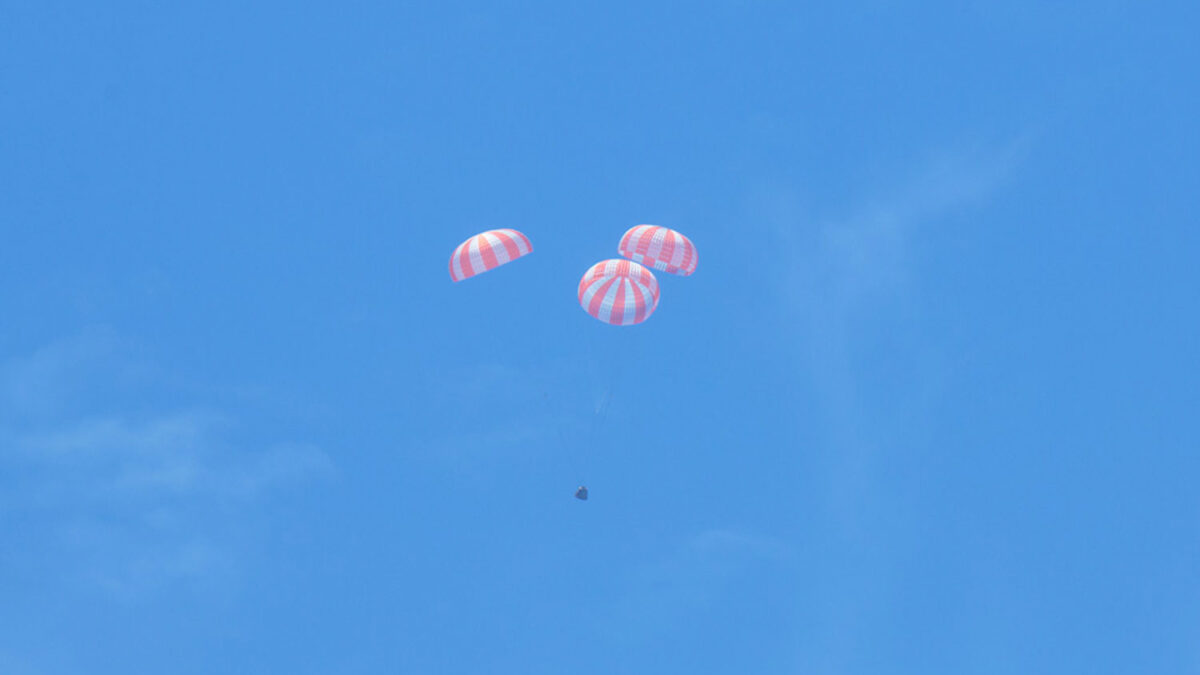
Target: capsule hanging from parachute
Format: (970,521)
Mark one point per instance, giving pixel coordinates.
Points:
(619,292)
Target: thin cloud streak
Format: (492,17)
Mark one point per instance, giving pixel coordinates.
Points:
(852,291)
(855,276)
(131,502)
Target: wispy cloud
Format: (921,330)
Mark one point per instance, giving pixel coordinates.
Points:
(504,411)
(12,664)
(173,454)
(46,380)
(134,500)
(844,262)
(853,293)
(691,576)
(854,275)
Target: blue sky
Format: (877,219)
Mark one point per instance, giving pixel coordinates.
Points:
(928,405)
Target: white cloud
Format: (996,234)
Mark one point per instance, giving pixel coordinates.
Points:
(842,263)
(853,292)
(280,465)
(12,664)
(133,501)
(689,578)
(41,381)
(854,276)
(504,411)
(731,542)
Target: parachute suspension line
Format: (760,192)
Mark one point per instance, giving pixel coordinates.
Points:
(606,372)
(583,452)
(596,390)
(554,418)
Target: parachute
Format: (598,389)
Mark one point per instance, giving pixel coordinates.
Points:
(486,251)
(662,248)
(618,292)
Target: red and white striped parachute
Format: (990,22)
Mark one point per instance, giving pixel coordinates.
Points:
(487,250)
(618,292)
(659,247)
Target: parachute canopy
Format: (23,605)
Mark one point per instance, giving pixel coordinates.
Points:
(618,292)
(659,247)
(486,251)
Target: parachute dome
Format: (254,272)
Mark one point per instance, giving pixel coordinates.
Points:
(662,248)
(618,292)
(487,251)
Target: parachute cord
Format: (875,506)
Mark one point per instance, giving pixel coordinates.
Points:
(588,450)
(600,434)
(554,419)
(603,377)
